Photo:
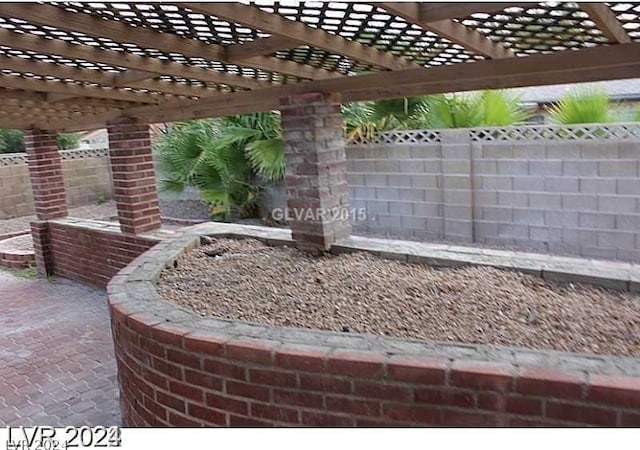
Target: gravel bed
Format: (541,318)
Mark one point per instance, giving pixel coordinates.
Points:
(17,245)
(247,280)
(105,211)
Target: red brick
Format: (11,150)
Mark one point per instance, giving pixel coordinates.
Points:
(510,404)
(225,369)
(615,390)
(444,396)
(299,357)
(471,419)
(224,403)
(324,383)
(580,413)
(353,406)
(186,391)
(205,345)
(629,419)
(357,364)
(417,369)
(171,370)
(251,351)
(381,390)
(317,419)
(184,358)
(210,416)
(168,334)
(275,413)
(171,401)
(247,390)
(482,376)
(297,398)
(273,378)
(549,382)
(411,413)
(204,380)
(239,421)
(176,420)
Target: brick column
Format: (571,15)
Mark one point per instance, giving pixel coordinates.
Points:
(134,182)
(49,196)
(315,170)
(45,170)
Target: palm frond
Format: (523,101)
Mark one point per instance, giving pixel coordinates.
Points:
(267,158)
(583,106)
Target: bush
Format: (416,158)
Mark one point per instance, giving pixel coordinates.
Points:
(583,106)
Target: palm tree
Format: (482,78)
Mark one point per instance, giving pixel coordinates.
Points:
(583,106)
(487,108)
(221,158)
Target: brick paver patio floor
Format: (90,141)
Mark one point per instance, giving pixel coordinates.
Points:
(56,354)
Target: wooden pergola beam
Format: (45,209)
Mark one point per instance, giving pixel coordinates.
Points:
(454,31)
(70,91)
(93,26)
(606,21)
(146,38)
(589,64)
(299,32)
(24,65)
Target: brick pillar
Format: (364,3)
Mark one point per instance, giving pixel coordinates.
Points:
(49,196)
(134,182)
(45,170)
(315,170)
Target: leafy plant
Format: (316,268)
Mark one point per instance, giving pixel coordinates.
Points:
(487,108)
(359,122)
(221,159)
(68,141)
(583,106)
(11,141)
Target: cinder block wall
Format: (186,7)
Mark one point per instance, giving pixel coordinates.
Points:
(577,196)
(87,177)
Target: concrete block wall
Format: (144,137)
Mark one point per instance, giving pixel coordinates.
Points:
(575,196)
(87,177)
(400,187)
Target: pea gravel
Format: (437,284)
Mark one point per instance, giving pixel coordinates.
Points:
(248,280)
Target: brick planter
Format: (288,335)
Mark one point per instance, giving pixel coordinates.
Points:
(178,369)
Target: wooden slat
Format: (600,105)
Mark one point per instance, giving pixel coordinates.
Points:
(606,21)
(599,63)
(259,47)
(303,34)
(454,31)
(435,11)
(147,38)
(273,64)
(93,26)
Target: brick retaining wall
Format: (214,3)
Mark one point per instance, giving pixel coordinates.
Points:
(93,252)
(178,369)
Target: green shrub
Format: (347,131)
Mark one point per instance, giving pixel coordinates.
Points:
(583,106)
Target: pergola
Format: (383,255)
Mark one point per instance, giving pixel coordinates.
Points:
(72,66)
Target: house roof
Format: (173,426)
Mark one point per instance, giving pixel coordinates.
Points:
(77,65)
(628,89)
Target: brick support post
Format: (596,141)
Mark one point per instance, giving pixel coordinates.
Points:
(49,195)
(315,170)
(45,170)
(134,182)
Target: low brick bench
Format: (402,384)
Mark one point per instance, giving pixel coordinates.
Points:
(14,256)
(176,368)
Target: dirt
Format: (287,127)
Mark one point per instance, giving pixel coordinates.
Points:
(247,280)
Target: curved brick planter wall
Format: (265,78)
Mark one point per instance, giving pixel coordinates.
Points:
(176,368)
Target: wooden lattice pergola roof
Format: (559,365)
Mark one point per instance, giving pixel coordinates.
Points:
(70,65)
